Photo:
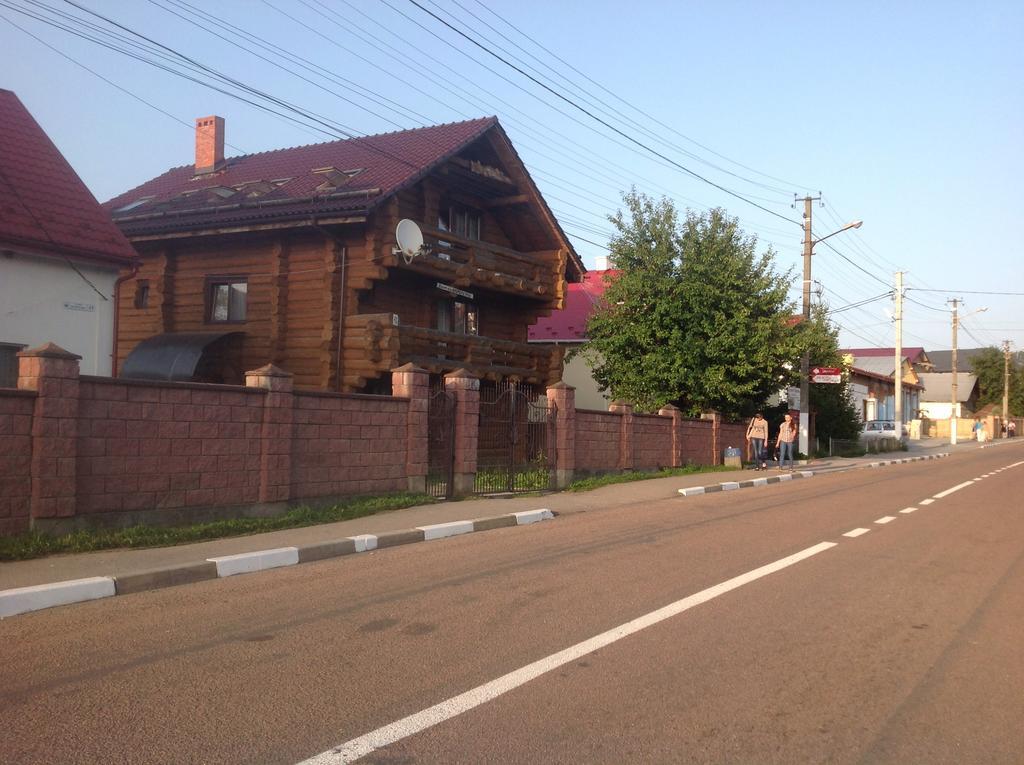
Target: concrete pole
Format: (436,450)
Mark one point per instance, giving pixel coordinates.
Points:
(1006,381)
(954,413)
(805,360)
(899,355)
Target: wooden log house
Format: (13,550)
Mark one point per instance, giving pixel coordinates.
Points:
(290,257)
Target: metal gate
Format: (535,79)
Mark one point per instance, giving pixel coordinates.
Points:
(441,443)
(515,447)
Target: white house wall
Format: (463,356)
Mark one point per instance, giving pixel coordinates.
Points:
(44,300)
(578,374)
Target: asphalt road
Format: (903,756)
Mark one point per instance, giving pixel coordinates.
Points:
(900,645)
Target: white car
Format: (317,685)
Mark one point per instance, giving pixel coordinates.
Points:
(881,429)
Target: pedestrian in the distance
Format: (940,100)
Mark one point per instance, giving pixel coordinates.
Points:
(757,437)
(979,431)
(1011,428)
(787,435)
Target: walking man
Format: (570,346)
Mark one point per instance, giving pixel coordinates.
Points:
(787,435)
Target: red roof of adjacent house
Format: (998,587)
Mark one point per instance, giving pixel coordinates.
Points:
(283,181)
(44,206)
(581,300)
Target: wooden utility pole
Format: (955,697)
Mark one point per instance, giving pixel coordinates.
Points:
(805,360)
(954,412)
(899,355)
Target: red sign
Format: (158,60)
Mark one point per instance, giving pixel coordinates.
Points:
(831,375)
(826,371)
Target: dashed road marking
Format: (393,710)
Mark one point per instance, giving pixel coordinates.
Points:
(926,501)
(885,519)
(908,510)
(947,492)
(856,533)
(359,747)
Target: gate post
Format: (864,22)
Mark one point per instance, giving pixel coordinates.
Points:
(276,431)
(563,398)
(625,433)
(467,427)
(677,432)
(413,383)
(716,425)
(52,373)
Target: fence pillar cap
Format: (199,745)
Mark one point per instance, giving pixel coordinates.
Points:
(410,367)
(460,373)
(561,385)
(49,351)
(620,402)
(269,370)
(669,408)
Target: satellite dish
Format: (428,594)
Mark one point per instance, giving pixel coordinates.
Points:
(410,239)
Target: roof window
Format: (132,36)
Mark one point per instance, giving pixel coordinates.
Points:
(132,205)
(335,178)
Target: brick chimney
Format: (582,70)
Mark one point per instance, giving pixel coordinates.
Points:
(209,144)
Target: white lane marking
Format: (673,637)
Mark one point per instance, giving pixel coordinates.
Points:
(908,510)
(856,533)
(926,501)
(359,747)
(947,492)
(885,519)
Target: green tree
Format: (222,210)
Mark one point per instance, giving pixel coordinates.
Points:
(696,318)
(836,414)
(988,366)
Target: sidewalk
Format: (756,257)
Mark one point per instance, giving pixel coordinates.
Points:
(122,562)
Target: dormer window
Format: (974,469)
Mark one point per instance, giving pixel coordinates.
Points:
(335,178)
(132,205)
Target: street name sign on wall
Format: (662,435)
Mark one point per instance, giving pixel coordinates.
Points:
(833,375)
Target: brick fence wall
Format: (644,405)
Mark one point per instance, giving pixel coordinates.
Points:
(80,451)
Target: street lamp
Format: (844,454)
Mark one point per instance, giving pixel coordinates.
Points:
(805,360)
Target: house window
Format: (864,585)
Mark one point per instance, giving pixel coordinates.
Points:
(142,293)
(9,364)
(226,296)
(458,317)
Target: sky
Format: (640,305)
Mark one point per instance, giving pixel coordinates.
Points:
(905,115)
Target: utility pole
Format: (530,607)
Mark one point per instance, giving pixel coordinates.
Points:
(1006,381)
(805,360)
(899,355)
(954,412)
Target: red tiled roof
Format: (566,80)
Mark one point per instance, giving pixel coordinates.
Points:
(44,206)
(388,162)
(581,300)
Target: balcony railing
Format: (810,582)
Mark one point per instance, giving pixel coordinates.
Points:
(375,344)
(469,262)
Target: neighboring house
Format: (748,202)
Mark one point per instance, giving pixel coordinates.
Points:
(873,382)
(567,329)
(942,361)
(915,355)
(59,253)
(937,399)
(290,257)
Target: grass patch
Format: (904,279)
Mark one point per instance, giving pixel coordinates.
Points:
(32,544)
(589,484)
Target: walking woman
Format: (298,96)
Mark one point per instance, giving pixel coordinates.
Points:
(787,435)
(757,437)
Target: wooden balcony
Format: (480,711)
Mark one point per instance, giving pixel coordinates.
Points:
(374,345)
(472,263)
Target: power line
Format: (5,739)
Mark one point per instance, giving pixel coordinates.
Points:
(967,292)
(598,119)
(630,105)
